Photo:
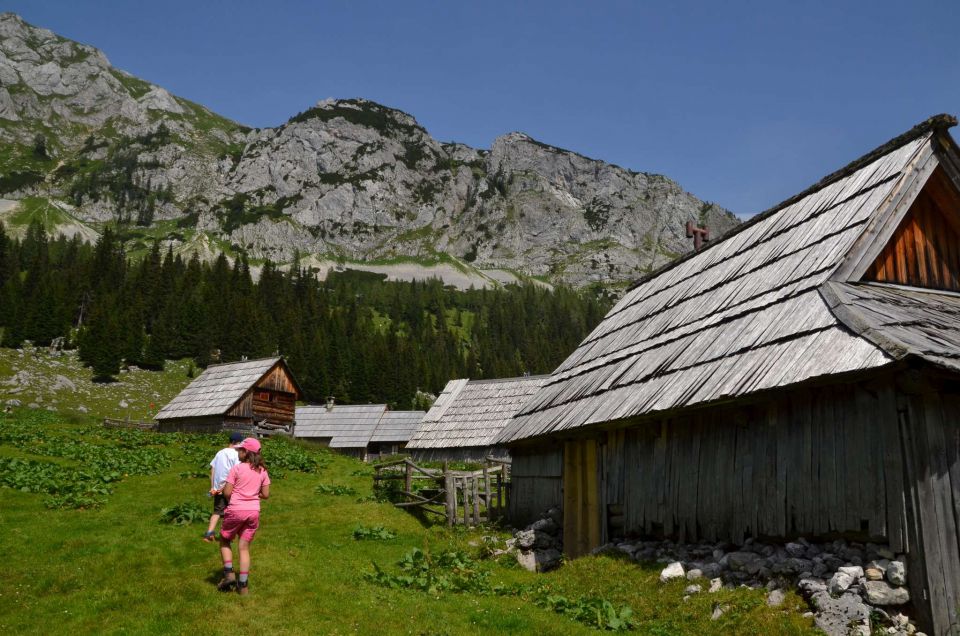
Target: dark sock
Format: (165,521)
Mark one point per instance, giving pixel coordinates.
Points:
(227,568)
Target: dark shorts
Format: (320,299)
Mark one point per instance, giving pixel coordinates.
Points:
(219,504)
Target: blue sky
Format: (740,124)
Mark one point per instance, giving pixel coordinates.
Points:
(743,103)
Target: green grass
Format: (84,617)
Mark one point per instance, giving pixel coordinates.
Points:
(119,569)
(139,389)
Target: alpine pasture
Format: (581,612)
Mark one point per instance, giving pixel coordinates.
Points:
(100,530)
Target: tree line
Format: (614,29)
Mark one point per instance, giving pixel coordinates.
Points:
(353,336)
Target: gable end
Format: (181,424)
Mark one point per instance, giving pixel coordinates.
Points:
(924,251)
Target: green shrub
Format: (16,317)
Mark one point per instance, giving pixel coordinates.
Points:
(376,533)
(337,490)
(185,514)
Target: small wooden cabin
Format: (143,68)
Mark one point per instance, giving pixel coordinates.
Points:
(250,395)
(366,431)
(393,432)
(468,416)
(798,377)
(346,428)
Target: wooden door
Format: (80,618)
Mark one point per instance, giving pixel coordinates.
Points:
(581,498)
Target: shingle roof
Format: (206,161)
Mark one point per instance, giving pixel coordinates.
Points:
(471,413)
(743,315)
(397,426)
(902,321)
(347,425)
(217,389)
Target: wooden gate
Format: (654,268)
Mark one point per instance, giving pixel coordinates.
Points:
(581,498)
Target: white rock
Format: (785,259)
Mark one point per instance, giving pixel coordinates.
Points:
(692,589)
(897,573)
(671,572)
(716,585)
(527,560)
(775,598)
(694,574)
(717,612)
(881,593)
(839,583)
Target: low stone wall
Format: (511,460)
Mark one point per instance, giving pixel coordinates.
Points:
(846,584)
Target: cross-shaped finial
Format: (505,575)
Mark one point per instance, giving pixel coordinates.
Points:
(699,234)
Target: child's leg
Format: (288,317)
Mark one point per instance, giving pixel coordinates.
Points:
(214,518)
(225,552)
(244,561)
(229,578)
(219,507)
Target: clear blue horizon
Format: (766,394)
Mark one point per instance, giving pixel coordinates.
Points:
(743,104)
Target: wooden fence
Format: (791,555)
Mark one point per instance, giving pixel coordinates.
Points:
(141,425)
(461,497)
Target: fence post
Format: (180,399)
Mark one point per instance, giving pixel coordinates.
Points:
(502,491)
(466,501)
(488,494)
(408,481)
(476,499)
(450,486)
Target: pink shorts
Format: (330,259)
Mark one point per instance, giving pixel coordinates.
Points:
(242,522)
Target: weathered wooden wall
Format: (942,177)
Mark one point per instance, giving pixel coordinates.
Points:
(875,460)
(812,463)
(535,483)
(212,424)
(278,380)
(930,429)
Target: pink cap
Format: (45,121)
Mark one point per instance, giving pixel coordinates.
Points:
(251,445)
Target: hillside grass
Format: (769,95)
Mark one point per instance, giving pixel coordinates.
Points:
(117,569)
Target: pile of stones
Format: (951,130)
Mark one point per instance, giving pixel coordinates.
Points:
(845,583)
(538,547)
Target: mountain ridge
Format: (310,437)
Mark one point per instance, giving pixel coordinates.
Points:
(345,180)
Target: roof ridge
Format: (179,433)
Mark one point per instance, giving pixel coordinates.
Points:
(513,379)
(224,364)
(935,123)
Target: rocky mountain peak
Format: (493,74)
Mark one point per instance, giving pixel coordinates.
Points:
(345,179)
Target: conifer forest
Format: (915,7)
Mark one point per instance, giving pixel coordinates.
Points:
(353,336)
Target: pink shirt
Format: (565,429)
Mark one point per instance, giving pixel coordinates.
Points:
(247,483)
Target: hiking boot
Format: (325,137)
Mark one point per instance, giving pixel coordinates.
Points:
(243,589)
(227,583)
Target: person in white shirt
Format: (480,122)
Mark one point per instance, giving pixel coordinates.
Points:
(223,461)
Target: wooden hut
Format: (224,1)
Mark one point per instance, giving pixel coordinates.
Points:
(468,416)
(366,431)
(346,428)
(393,432)
(798,377)
(250,395)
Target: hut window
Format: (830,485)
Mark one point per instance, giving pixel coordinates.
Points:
(264,396)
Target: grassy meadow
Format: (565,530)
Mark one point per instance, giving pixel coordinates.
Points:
(112,566)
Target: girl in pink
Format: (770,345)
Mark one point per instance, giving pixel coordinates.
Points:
(247,483)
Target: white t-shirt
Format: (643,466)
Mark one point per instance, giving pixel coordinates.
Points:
(223,461)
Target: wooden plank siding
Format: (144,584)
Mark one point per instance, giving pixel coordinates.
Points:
(931,434)
(808,463)
(581,497)
(925,249)
(535,483)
